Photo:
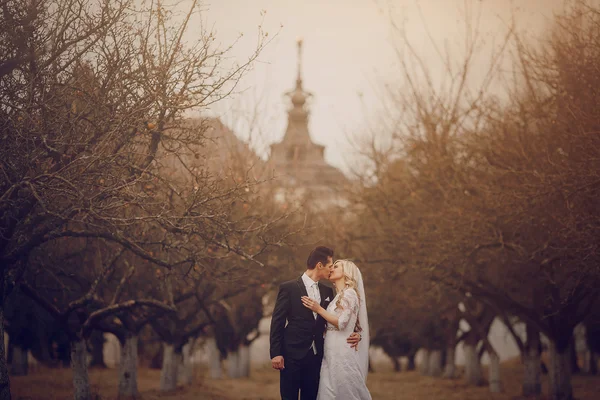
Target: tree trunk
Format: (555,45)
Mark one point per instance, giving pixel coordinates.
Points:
(157,360)
(178,361)
(573,356)
(560,373)
(168,372)
(532,378)
(9,349)
(435,363)
(494,373)
(411,365)
(187,367)
(97,344)
(214,359)
(586,365)
(128,388)
(397,365)
(450,367)
(233,364)
(4,380)
(472,366)
(81,382)
(593,363)
(244,360)
(424,364)
(19,365)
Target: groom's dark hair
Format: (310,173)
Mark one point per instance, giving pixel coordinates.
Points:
(318,255)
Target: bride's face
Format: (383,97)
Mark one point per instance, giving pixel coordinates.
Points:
(337,272)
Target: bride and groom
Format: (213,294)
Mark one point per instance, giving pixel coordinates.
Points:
(316,335)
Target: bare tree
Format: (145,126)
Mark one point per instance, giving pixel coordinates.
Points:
(92,96)
(492,198)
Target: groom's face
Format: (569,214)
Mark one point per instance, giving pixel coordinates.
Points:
(325,270)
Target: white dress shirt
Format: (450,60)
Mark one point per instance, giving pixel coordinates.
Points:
(312,288)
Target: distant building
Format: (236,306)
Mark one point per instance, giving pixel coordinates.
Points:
(298,164)
(212,150)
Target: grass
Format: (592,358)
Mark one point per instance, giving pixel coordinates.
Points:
(55,384)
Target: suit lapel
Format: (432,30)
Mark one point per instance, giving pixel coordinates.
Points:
(303,292)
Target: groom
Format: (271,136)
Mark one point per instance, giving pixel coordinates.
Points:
(297,348)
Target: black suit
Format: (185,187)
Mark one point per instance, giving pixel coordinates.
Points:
(294,341)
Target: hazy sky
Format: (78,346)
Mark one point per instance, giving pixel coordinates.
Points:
(348,49)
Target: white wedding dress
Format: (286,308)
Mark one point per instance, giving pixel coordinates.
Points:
(344,370)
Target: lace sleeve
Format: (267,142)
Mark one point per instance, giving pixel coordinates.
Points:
(349,305)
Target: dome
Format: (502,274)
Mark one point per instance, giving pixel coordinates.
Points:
(298,98)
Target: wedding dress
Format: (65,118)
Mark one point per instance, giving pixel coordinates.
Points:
(344,369)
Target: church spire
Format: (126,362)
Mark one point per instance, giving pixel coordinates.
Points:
(298,95)
(299,78)
(297,156)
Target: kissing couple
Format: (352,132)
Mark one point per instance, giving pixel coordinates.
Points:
(320,341)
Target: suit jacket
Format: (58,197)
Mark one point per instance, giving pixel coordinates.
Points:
(295,339)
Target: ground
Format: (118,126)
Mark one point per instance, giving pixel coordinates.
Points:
(54,384)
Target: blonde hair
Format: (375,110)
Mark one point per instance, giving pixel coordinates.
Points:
(350,274)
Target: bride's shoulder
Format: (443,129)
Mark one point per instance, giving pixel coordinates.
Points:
(351,292)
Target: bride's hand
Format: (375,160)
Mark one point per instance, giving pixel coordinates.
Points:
(310,304)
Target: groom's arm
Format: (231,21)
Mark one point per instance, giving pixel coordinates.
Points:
(354,339)
(278,321)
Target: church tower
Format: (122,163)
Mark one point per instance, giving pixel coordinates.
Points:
(297,161)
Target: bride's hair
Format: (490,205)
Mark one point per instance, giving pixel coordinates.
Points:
(350,271)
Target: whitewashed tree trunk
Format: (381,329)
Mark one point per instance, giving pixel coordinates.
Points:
(494,373)
(214,359)
(4,379)
(19,365)
(81,382)
(473,372)
(244,360)
(187,367)
(532,377)
(450,367)
(560,374)
(590,362)
(128,388)
(587,365)
(168,373)
(178,361)
(435,363)
(233,364)
(424,364)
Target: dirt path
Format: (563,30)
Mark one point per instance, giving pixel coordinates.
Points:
(55,384)
(388,385)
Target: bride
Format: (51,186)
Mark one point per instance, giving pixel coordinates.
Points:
(344,369)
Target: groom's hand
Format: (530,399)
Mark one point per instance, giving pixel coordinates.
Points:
(278,363)
(353,340)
